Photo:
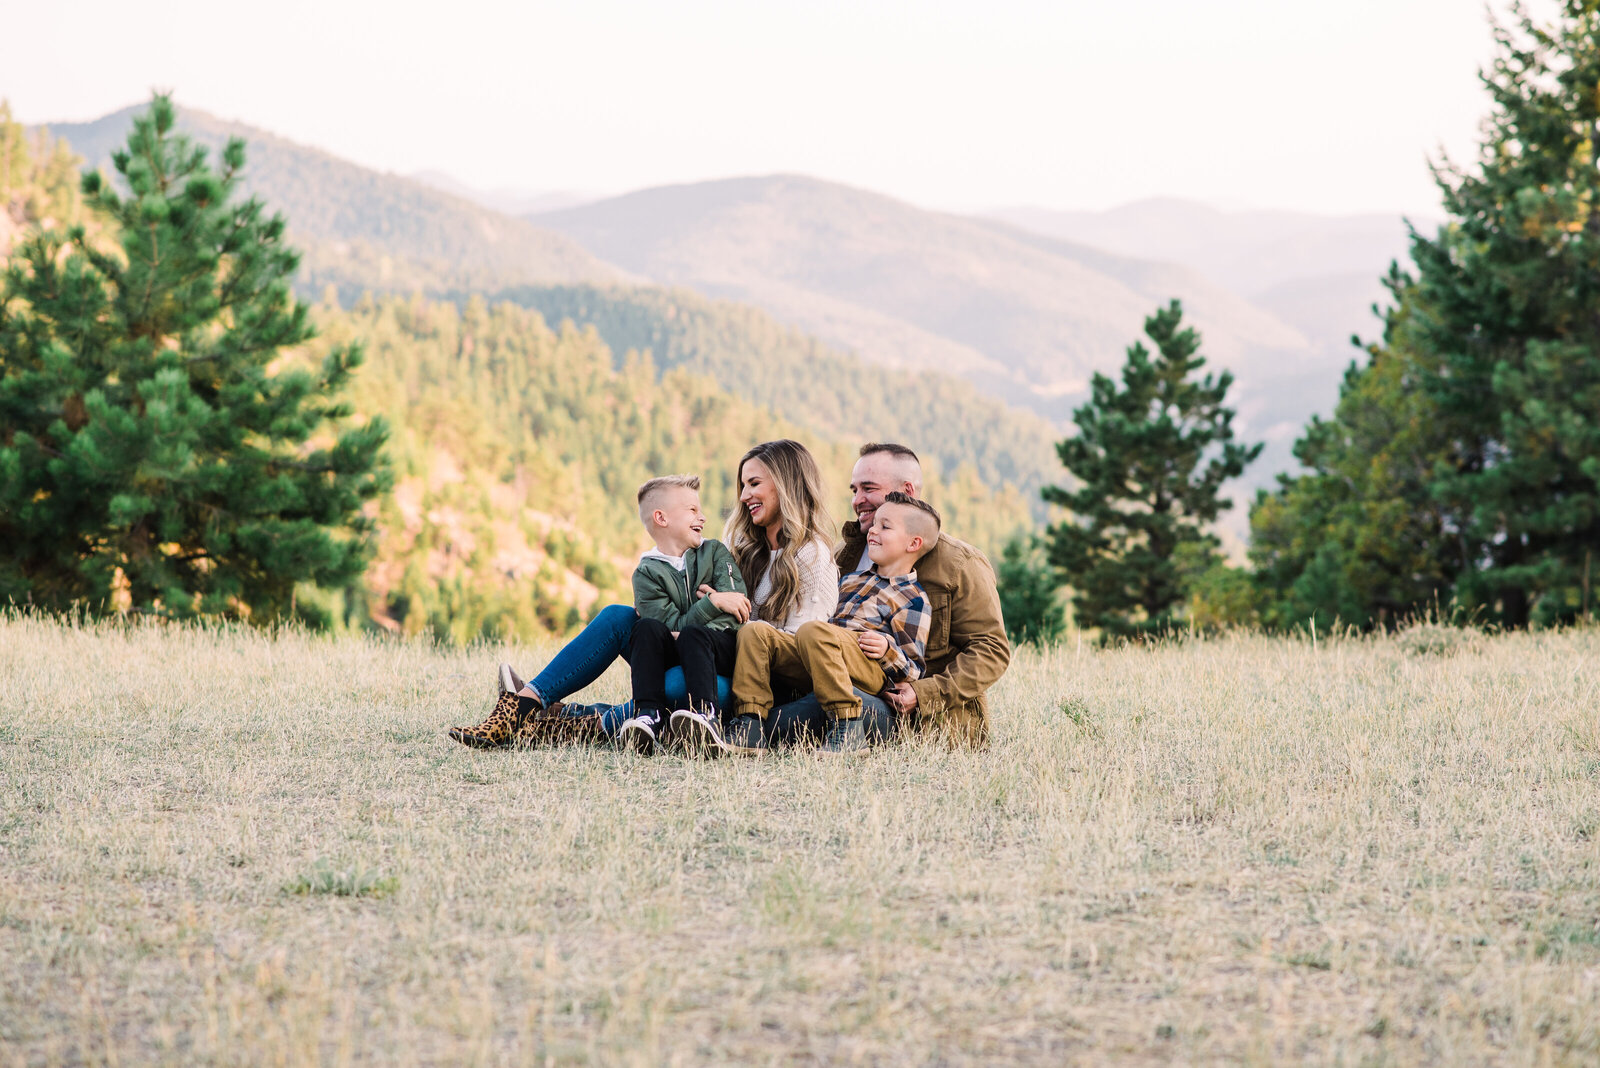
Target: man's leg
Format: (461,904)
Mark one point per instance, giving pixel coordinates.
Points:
(803,720)
(833,658)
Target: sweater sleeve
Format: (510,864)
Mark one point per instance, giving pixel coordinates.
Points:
(819,587)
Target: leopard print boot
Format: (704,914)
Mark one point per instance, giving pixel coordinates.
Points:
(496,732)
(557,725)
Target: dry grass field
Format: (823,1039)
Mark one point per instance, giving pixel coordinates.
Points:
(227,847)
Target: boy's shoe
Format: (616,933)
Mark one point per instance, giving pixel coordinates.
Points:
(510,681)
(639,733)
(746,735)
(510,711)
(846,738)
(700,734)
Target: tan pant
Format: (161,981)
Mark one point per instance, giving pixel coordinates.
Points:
(822,656)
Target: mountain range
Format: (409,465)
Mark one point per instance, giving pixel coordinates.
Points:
(362,228)
(1023,304)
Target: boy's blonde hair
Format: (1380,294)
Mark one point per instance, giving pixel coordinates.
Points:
(923,518)
(653,489)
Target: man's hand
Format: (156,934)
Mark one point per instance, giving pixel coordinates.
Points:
(903,697)
(873,643)
(732,602)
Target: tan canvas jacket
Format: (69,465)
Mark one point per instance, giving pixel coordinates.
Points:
(967,648)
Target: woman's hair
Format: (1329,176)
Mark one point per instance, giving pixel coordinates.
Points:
(802,517)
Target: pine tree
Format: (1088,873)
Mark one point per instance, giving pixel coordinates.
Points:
(160,446)
(1462,467)
(1359,538)
(1506,315)
(1150,459)
(1028,600)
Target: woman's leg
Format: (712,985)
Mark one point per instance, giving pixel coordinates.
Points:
(586,657)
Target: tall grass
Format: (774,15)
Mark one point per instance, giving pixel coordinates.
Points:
(220,846)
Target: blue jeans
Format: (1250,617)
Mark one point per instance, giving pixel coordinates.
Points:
(804,720)
(586,657)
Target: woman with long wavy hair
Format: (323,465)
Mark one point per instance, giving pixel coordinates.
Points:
(781,536)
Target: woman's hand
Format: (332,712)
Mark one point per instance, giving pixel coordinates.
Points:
(732,602)
(873,643)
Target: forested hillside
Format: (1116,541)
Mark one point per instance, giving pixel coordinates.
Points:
(1024,319)
(517,450)
(362,231)
(753,356)
(38,182)
(518,443)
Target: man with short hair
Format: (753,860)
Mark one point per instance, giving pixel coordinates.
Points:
(967,650)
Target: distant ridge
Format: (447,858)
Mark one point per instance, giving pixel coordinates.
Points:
(1026,317)
(1319,273)
(505,201)
(366,228)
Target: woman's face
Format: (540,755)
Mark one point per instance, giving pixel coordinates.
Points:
(757,493)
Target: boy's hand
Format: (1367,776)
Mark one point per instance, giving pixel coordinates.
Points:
(732,602)
(873,643)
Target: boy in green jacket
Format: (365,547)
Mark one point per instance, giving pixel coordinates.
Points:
(691,601)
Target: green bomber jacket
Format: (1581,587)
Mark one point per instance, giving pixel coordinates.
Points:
(661,591)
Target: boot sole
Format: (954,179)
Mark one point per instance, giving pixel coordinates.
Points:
(635,740)
(697,739)
(473,741)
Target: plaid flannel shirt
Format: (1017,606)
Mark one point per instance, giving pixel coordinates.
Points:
(896,607)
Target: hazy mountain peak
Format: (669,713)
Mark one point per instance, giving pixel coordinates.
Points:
(338,210)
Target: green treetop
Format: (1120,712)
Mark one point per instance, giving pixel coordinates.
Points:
(1463,463)
(1506,313)
(1150,459)
(148,430)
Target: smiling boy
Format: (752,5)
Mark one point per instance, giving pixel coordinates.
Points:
(877,636)
(691,601)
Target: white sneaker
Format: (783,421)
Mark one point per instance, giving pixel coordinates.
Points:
(701,733)
(639,734)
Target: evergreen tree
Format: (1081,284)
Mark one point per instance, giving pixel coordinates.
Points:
(155,446)
(1506,318)
(1150,459)
(1463,463)
(1028,601)
(1359,538)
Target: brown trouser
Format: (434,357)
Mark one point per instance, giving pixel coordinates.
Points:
(822,656)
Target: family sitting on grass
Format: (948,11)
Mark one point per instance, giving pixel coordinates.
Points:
(908,641)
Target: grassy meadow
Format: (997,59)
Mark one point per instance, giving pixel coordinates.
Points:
(229,847)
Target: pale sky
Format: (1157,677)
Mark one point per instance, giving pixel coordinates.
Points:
(1331,107)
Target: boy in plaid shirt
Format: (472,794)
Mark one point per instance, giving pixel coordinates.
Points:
(877,636)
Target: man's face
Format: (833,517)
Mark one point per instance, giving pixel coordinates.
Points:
(679,508)
(887,538)
(873,476)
